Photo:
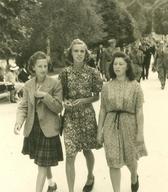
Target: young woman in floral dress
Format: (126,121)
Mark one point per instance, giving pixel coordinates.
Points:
(121,121)
(81,87)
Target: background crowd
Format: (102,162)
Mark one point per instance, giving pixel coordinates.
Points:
(112,63)
(141,53)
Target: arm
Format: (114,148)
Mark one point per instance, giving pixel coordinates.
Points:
(54,101)
(87,100)
(140,124)
(102,116)
(139,114)
(21,112)
(155,60)
(92,99)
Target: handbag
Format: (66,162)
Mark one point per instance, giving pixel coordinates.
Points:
(65,90)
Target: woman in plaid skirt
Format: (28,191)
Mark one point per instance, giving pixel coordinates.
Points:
(39,108)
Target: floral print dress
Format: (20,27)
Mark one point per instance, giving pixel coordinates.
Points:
(121,101)
(80,126)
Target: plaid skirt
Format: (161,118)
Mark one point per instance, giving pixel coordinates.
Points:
(45,151)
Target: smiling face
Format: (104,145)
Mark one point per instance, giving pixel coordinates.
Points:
(120,67)
(78,53)
(41,68)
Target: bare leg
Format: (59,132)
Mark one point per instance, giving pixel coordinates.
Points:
(49,173)
(90,165)
(70,172)
(42,173)
(115,175)
(133,170)
(50,177)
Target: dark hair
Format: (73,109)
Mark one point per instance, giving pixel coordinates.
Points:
(129,72)
(33,59)
(69,51)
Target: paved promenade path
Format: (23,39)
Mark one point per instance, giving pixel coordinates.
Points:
(18,172)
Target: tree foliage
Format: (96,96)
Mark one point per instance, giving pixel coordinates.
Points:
(142,12)
(119,23)
(31,25)
(12,32)
(160,20)
(62,21)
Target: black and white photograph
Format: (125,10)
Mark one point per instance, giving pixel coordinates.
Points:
(84,95)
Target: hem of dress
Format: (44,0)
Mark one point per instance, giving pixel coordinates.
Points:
(80,150)
(126,163)
(141,154)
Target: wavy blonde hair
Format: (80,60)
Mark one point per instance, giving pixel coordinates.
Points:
(77,42)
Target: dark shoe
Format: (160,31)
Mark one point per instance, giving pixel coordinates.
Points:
(135,187)
(88,188)
(13,101)
(52,188)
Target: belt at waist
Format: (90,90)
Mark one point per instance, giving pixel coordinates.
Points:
(117,116)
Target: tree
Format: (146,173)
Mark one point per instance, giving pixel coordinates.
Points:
(160,19)
(119,23)
(12,32)
(143,11)
(59,22)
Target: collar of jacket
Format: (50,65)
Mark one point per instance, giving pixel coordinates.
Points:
(46,86)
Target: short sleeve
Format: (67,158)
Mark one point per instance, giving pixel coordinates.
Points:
(97,82)
(139,97)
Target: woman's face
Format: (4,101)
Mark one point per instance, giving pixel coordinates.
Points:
(120,67)
(78,53)
(41,68)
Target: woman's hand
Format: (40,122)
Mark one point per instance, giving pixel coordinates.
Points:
(68,104)
(100,139)
(40,94)
(78,102)
(17,128)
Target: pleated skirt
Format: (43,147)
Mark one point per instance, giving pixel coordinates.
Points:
(45,151)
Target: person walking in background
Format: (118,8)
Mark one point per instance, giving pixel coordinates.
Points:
(39,107)
(147,51)
(108,56)
(92,60)
(137,58)
(11,76)
(166,58)
(100,60)
(2,74)
(120,124)
(81,87)
(160,63)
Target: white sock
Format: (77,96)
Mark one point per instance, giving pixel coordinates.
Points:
(50,182)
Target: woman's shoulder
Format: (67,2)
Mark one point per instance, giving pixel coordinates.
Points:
(105,86)
(53,81)
(91,69)
(66,70)
(30,82)
(92,72)
(135,85)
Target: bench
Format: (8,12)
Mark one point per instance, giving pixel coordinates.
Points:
(5,89)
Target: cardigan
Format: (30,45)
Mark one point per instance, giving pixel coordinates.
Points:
(48,108)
